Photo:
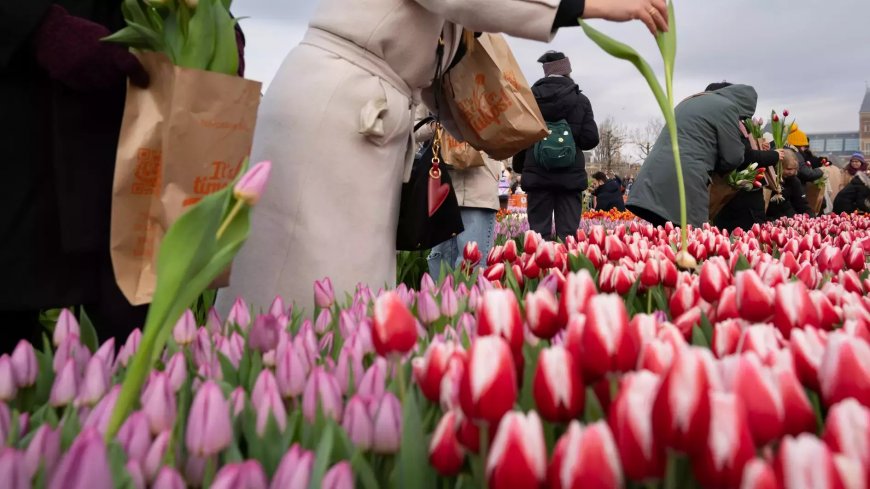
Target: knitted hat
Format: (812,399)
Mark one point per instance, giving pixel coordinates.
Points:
(797,137)
(555,63)
(859,157)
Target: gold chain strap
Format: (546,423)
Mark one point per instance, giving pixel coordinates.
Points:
(435,170)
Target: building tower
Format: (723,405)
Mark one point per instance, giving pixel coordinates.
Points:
(864,118)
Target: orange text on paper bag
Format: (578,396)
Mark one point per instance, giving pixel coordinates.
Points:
(147,173)
(222,174)
(483,108)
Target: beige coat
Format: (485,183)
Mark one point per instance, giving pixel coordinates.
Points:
(478,186)
(337,124)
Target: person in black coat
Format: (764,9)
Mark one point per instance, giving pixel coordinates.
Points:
(855,197)
(62,94)
(608,193)
(558,192)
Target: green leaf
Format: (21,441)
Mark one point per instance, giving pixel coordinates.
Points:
(71,428)
(583,262)
(88,332)
(229,372)
(698,338)
(593,411)
(322,457)
(658,296)
(45,377)
(117,464)
(256,368)
(742,264)
(365,476)
(226,53)
(412,459)
(198,49)
(527,399)
(707,329)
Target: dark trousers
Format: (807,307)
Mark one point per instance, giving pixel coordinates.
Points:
(565,204)
(648,216)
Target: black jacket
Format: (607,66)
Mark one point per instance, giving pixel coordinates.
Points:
(795,200)
(609,196)
(855,197)
(560,98)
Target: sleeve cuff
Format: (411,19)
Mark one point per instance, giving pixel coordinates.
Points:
(568,13)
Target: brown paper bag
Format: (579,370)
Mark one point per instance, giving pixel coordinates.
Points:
(815,196)
(459,154)
(491,102)
(182,138)
(721,192)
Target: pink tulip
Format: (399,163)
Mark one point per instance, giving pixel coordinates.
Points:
(518,457)
(294,471)
(135,437)
(845,370)
(373,383)
(630,421)
(244,475)
(209,427)
(357,423)
(24,365)
(427,309)
(8,387)
(324,294)
(585,457)
(558,389)
(44,448)
(65,386)
(154,457)
(168,478)
(290,371)
(13,470)
(349,370)
(322,392)
(95,382)
(67,325)
(264,333)
(267,403)
(240,314)
(386,416)
(252,184)
(99,416)
(184,331)
(339,476)
(85,465)
(176,371)
(499,315)
(130,347)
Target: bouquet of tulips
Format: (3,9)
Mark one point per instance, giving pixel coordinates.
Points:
(197,34)
(747,179)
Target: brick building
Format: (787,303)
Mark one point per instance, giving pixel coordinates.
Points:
(864,120)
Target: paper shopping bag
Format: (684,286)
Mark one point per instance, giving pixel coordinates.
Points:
(491,102)
(184,137)
(459,154)
(721,192)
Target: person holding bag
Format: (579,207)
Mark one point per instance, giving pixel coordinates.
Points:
(337,123)
(554,170)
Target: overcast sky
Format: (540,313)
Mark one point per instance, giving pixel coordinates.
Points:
(810,57)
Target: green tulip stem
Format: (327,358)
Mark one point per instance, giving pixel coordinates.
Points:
(681,186)
(233,213)
(400,374)
(484,450)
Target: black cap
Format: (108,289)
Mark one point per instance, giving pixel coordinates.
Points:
(551,56)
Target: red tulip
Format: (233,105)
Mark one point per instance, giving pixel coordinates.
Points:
(394,329)
(758,474)
(809,275)
(545,255)
(827,314)
(606,324)
(446,454)
(845,370)
(726,337)
(855,260)
(785,113)
(729,445)
(631,423)
(585,457)
(509,252)
(683,299)
(518,458)
(681,411)
(805,462)
(800,416)
(613,248)
(754,384)
(669,273)
(641,330)
(542,313)
(622,280)
(558,389)
(605,278)
(489,386)
(499,314)
(830,259)
(531,241)
(494,273)
(807,348)
(471,253)
(597,235)
(579,288)
(762,339)
(851,472)
(727,307)
(847,431)
(714,277)
(429,369)
(754,298)
(495,255)
(687,321)
(649,275)
(593,252)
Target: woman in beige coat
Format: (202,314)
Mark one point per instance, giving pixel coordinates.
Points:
(337,125)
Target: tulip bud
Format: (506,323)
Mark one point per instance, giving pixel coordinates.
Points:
(630,421)
(339,476)
(518,457)
(324,293)
(471,253)
(542,311)
(67,325)
(427,309)
(322,392)
(394,329)
(168,478)
(65,386)
(606,326)
(209,427)
(184,331)
(558,390)
(13,471)
(155,455)
(805,461)
(263,336)
(24,365)
(713,279)
(530,242)
(240,314)
(579,288)
(430,368)
(449,303)
(44,448)
(847,430)
(386,416)
(357,423)
(489,386)
(251,186)
(267,402)
(729,445)
(446,454)
(755,386)
(499,314)
(754,298)
(373,383)
(681,411)
(244,475)
(294,471)
(8,388)
(99,416)
(135,437)
(845,370)
(72,473)
(585,457)
(494,273)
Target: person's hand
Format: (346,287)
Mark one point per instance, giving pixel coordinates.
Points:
(781,153)
(70,50)
(653,13)
(765,146)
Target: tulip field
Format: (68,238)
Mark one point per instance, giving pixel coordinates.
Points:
(593,363)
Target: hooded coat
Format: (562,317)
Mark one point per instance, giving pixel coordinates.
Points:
(609,196)
(710,141)
(560,98)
